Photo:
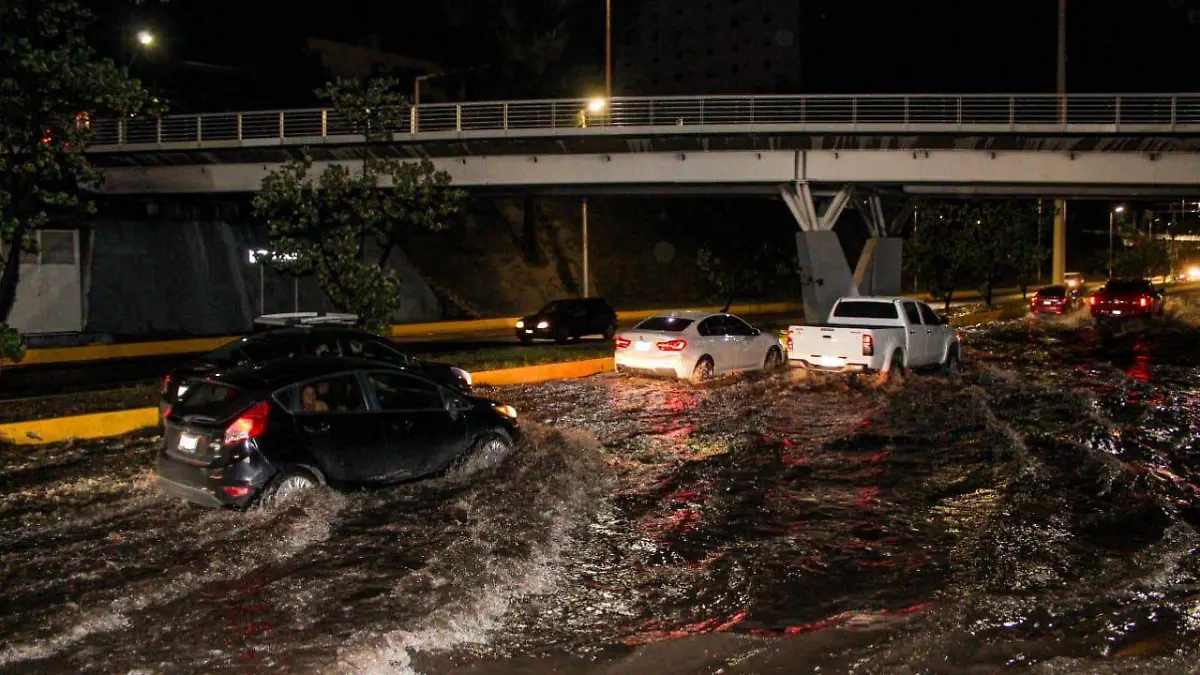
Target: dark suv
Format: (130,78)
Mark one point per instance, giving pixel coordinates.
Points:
(259,432)
(297,342)
(563,320)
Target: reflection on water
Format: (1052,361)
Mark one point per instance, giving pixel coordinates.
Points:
(1038,512)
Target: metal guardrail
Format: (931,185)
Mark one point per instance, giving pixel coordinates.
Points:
(1099,113)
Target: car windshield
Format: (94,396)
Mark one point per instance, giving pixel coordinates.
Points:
(1053,292)
(866,309)
(1129,286)
(664,324)
(557,307)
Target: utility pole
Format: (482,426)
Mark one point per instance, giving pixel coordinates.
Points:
(608,52)
(1059,263)
(586,288)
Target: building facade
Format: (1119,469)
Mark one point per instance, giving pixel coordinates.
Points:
(677,47)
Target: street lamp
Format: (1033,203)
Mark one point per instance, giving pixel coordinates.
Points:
(597,105)
(1111,215)
(145,40)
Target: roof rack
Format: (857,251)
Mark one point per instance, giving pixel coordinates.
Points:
(294,319)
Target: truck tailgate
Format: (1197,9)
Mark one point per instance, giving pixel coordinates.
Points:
(828,346)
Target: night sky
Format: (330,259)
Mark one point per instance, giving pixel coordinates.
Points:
(848,46)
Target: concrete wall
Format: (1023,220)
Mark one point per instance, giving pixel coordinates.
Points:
(49,294)
(194,277)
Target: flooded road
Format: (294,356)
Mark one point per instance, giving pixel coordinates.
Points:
(1038,511)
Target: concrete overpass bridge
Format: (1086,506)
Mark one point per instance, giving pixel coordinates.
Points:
(818,153)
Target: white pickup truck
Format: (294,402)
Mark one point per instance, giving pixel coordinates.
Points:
(875,334)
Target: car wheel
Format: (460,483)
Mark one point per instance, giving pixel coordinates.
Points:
(610,332)
(287,484)
(950,365)
(898,366)
(703,370)
(773,361)
(492,444)
(561,336)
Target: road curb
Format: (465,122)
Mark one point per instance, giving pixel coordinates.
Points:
(120,422)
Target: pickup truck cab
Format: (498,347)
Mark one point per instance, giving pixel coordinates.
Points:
(875,334)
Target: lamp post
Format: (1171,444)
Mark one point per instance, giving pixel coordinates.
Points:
(586,285)
(1058,265)
(1111,216)
(145,40)
(608,49)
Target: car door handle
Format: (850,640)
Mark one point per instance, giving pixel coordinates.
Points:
(929,331)
(317,427)
(912,332)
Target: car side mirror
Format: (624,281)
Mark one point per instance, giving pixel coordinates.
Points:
(457,404)
(755,332)
(943,320)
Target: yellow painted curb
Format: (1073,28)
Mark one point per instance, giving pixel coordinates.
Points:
(544,373)
(128,350)
(98,425)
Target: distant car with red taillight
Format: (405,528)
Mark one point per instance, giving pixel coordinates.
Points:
(1126,299)
(254,434)
(1054,300)
(695,346)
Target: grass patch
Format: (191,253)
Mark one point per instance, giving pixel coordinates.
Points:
(67,405)
(517,356)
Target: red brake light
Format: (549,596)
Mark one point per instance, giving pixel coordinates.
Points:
(621,342)
(672,346)
(166,384)
(789,342)
(868,345)
(1091,300)
(251,424)
(166,414)
(236,490)
(1144,301)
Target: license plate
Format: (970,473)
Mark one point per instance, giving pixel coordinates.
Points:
(1047,302)
(188,442)
(528,330)
(642,347)
(1116,312)
(830,361)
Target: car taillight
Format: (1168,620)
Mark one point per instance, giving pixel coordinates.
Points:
(251,424)
(1092,300)
(236,490)
(166,385)
(1144,301)
(789,342)
(868,345)
(166,414)
(672,346)
(621,342)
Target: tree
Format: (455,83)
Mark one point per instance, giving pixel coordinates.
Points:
(941,250)
(11,347)
(745,272)
(51,84)
(1141,256)
(343,224)
(1007,245)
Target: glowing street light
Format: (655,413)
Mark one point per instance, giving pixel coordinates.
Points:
(597,105)
(145,38)
(1111,214)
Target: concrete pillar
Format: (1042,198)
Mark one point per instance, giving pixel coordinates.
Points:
(880,266)
(1059,258)
(824,271)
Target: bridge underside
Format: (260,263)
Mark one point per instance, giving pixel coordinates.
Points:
(817,177)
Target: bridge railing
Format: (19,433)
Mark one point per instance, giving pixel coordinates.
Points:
(882,112)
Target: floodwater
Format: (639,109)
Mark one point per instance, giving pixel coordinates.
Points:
(1038,512)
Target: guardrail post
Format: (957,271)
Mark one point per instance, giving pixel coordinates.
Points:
(281,124)
(752,110)
(120,132)
(158,130)
(905,118)
(324,122)
(1173,111)
(239,125)
(958,114)
(553,114)
(199,129)
(1117,116)
(701,111)
(854,111)
(803,101)
(458,117)
(505,117)
(1012,112)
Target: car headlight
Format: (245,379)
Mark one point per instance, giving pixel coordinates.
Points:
(543,324)
(507,411)
(520,324)
(462,375)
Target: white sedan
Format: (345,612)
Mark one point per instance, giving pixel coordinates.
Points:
(696,346)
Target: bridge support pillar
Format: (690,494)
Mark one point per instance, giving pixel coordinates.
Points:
(1059,257)
(823,269)
(881,262)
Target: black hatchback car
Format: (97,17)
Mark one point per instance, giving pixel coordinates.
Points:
(256,433)
(296,342)
(563,320)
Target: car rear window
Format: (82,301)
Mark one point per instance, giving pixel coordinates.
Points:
(865,309)
(214,401)
(1132,286)
(664,324)
(1053,292)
